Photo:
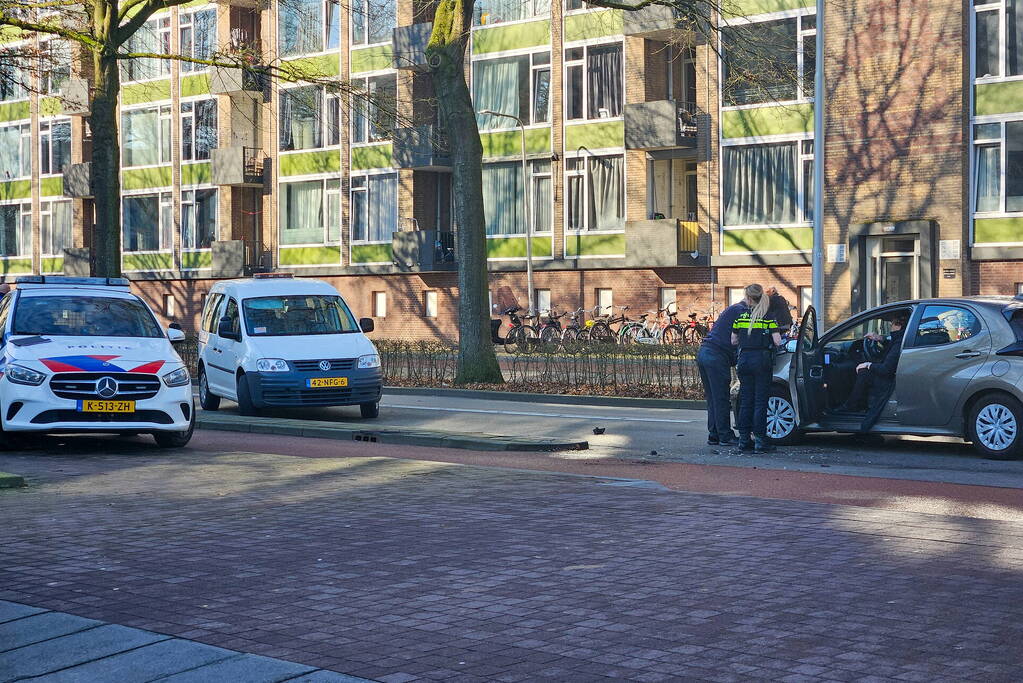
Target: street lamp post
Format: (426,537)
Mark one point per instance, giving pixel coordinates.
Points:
(818,167)
(526,201)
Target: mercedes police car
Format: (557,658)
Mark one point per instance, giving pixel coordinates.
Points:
(87,355)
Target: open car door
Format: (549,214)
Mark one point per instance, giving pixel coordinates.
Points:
(806,372)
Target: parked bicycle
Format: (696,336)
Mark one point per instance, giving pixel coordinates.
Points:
(521,337)
(601,332)
(575,333)
(550,329)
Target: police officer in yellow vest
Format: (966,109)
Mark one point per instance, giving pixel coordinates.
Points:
(757,336)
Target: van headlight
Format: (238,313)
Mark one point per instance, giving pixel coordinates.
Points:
(368,361)
(177,378)
(19,374)
(271,365)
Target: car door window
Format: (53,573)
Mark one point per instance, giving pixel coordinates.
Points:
(941,324)
(231,314)
(210,320)
(5,309)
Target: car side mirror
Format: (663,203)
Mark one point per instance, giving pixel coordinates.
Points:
(225,329)
(175,335)
(174,325)
(366,324)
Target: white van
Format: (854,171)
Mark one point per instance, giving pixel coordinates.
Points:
(274,340)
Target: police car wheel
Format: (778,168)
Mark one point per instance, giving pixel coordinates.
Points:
(175,439)
(782,422)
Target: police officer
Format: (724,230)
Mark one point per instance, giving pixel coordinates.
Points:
(715,360)
(756,335)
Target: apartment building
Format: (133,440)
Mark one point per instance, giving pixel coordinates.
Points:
(653,173)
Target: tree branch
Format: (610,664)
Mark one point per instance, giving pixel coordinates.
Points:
(34,27)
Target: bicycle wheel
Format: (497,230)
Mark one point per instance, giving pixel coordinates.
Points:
(530,339)
(515,341)
(690,335)
(672,335)
(601,334)
(570,340)
(550,338)
(630,333)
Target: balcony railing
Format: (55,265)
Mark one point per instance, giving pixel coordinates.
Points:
(408,45)
(237,165)
(424,250)
(663,243)
(423,148)
(661,124)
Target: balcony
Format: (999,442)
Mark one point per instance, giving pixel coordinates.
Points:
(238,166)
(409,46)
(663,243)
(235,80)
(77,180)
(656,22)
(422,148)
(424,250)
(74,97)
(664,124)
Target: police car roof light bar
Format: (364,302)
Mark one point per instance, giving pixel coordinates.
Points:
(64,280)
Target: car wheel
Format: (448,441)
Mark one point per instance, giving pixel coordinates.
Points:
(370,410)
(175,439)
(207,400)
(994,427)
(245,406)
(782,422)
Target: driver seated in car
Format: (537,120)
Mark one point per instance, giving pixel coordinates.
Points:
(875,380)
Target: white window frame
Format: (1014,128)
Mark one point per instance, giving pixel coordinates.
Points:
(24,148)
(46,131)
(507,124)
(581,172)
(183,115)
(24,229)
(165,233)
(543,300)
(362,82)
(163,32)
(667,296)
(13,49)
(533,16)
(363,7)
(188,204)
(601,294)
(1000,7)
(379,304)
(47,214)
(326,192)
(586,45)
(430,303)
(164,127)
(352,190)
(1001,120)
(324,122)
(46,46)
(186,20)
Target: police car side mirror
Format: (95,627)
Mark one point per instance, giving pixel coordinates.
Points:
(175,335)
(366,324)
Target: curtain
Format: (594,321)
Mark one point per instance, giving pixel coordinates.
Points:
(10,152)
(988,178)
(10,218)
(1013,36)
(300,118)
(542,218)
(541,95)
(497,89)
(607,205)
(986,55)
(205,218)
(60,145)
(576,202)
(141,138)
(302,213)
(141,228)
(502,198)
(760,184)
(604,78)
(205,128)
(383,207)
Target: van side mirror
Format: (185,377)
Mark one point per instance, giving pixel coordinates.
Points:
(225,329)
(175,335)
(366,324)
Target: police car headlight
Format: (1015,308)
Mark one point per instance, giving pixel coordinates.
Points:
(271,365)
(177,378)
(369,361)
(19,374)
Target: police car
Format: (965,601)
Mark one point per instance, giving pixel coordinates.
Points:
(87,355)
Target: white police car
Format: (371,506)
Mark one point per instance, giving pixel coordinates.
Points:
(87,355)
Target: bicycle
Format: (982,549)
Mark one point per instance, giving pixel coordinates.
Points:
(521,337)
(575,332)
(550,329)
(601,332)
(673,333)
(695,331)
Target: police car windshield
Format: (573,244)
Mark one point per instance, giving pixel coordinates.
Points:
(84,316)
(278,316)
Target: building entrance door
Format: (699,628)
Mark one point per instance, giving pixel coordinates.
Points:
(893,269)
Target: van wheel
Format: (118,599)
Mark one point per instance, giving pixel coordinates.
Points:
(782,422)
(370,410)
(245,406)
(207,400)
(994,427)
(175,439)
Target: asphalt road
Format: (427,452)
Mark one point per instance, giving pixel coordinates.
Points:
(665,435)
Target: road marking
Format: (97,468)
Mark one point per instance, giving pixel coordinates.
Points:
(525,414)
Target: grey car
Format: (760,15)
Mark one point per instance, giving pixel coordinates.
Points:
(960,374)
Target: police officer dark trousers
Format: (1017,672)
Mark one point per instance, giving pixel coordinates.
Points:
(756,335)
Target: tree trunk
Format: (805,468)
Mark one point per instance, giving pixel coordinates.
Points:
(105,178)
(477,361)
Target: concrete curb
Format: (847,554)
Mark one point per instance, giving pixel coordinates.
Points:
(11,481)
(371,433)
(562,399)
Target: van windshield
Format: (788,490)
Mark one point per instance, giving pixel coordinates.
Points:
(84,316)
(278,316)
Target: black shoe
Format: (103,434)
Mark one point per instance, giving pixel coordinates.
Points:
(712,441)
(745,446)
(727,441)
(763,446)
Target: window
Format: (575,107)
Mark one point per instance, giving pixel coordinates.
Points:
(198,218)
(805,299)
(15,151)
(764,186)
(487,12)
(379,304)
(998,167)
(595,193)
(308,26)
(282,316)
(198,36)
(372,21)
(517,86)
(56,68)
(543,300)
(210,320)
(769,61)
(12,80)
(153,37)
(735,295)
(147,222)
(54,146)
(668,297)
(594,83)
(430,299)
(374,207)
(997,38)
(503,198)
(373,115)
(304,205)
(55,227)
(168,305)
(198,129)
(945,325)
(571,5)
(146,136)
(84,316)
(303,124)
(15,230)
(605,302)
(232,318)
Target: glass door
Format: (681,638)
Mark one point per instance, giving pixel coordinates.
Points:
(893,269)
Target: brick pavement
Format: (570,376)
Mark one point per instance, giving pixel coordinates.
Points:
(400,570)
